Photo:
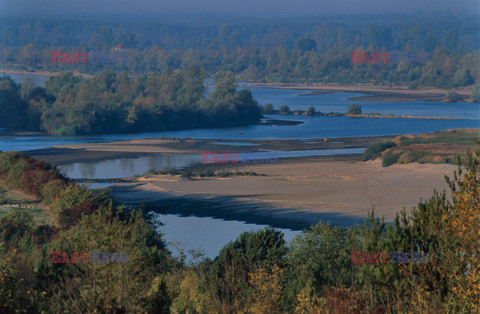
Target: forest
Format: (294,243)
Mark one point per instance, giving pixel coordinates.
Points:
(116,103)
(319,270)
(294,51)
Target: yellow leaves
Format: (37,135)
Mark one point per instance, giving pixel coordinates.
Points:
(267,287)
(306,301)
(464,226)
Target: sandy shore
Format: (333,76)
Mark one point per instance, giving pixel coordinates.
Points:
(68,154)
(374,92)
(295,193)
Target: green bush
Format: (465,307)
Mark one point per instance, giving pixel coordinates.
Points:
(452,96)
(475,93)
(354,109)
(389,158)
(7,160)
(119,287)
(75,197)
(229,274)
(51,190)
(373,151)
(268,108)
(311,111)
(15,174)
(320,257)
(15,224)
(284,109)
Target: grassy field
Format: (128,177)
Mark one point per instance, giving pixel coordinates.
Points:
(15,200)
(438,147)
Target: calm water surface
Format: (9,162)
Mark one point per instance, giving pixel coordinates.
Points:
(207,234)
(211,234)
(129,167)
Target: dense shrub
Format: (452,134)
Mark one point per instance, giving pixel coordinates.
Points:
(320,257)
(51,190)
(116,287)
(268,108)
(14,225)
(67,207)
(452,96)
(373,151)
(228,277)
(284,109)
(43,234)
(7,160)
(354,109)
(389,158)
(29,175)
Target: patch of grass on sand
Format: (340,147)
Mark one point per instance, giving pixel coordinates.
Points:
(204,173)
(15,200)
(439,147)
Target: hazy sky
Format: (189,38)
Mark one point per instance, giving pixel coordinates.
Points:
(267,8)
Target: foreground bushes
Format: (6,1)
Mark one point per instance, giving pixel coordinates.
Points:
(86,221)
(258,272)
(32,176)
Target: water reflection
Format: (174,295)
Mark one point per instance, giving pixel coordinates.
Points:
(207,234)
(129,167)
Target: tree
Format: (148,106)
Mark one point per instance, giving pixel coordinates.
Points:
(354,109)
(284,109)
(464,227)
(452,96)
(311,111)
(119,287)
(462,78)
(475,94)
(321,257)
(306,44)
(268,108)
(224,88)
(13,109)
(241,260)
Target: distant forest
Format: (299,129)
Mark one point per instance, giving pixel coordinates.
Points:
(276,50)
(115,103)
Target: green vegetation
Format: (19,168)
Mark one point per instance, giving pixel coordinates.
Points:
(452,96)
(268,108)
(354,109)
(204,173)
(115,103)
(293,51)
(284,109)
(311,111)
(373,151)
(475,94)
(389,158)
(258,272)
(438,147)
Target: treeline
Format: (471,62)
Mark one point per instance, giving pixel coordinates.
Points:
(392,31)
(113,103)
(318,271)
(293,52)
(443,69)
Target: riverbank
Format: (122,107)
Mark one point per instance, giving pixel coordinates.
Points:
(43,73)
(295,193)
(87,152)
(376,93)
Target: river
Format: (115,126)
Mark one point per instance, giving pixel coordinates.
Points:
(211,234)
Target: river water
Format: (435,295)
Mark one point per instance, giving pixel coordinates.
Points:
(211,234)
